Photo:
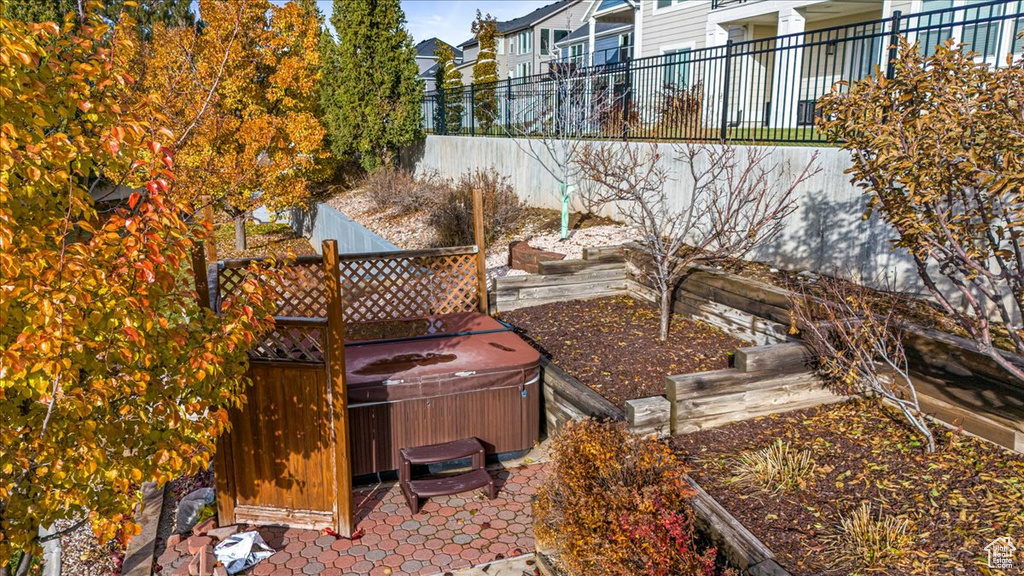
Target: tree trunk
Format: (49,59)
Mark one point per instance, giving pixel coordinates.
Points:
(240,232)
(666,313)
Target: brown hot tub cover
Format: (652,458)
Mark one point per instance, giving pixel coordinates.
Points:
(464,352)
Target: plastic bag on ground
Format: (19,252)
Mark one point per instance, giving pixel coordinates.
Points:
(191,505)
(242,551)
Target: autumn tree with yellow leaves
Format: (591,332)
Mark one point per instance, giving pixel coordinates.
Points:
(111,372)
(239,94)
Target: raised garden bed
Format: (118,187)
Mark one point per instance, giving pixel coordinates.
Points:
(612,346)
(954,502)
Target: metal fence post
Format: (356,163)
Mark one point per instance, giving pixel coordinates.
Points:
(725,91)
(894,41)
(508,105)
(441,114)
(472,109)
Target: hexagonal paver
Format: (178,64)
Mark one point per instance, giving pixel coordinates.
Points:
(448,534)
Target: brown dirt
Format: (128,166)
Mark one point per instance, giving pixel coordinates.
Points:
(956,500)
(612,346)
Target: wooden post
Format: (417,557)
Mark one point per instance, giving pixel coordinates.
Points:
(481,250)
(338,391)
(199,271)
(211,246)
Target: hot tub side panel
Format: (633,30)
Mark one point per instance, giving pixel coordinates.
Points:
(504,419)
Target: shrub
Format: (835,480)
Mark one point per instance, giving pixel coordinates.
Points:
(681,111)
(393,188)
(451,214)
(776,467)
(867,539)
(617,504)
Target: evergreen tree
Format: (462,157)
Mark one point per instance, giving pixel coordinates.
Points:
(373,104)
(485,71)
(451,85)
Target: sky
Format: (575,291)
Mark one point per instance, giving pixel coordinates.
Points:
(450,20)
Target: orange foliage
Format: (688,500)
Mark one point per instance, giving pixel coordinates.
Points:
(111,374)
(616,504)
(239,95)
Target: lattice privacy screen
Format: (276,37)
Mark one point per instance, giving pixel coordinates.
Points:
(379,289)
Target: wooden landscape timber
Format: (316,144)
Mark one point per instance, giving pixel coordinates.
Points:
(709,399)
(567,399)
(742,549)
(587,280)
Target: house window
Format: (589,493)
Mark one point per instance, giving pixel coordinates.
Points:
(545,41)
(576,53)
(932,38)
(664,3)
(677,67)
(501,45)
(625,46)
(1018,40)
(863,56)
(806,112)
(984,38)
(559,35)
(524,69)
(525,42)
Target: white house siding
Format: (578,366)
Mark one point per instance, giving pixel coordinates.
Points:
(684,23)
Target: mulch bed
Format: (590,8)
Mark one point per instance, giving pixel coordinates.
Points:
(612,346)
(956,500)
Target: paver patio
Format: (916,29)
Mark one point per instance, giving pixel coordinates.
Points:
(448,534)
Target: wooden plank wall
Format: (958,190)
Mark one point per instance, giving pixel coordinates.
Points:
(277,456)
(600,273)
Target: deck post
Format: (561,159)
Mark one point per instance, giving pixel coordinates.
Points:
(481,249)
(338,391)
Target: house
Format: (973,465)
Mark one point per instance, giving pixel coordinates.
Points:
(427,61)
(526,44)
(781,90)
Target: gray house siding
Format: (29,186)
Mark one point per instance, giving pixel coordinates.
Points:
(683,23)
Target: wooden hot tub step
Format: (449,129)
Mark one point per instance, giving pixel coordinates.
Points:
(437,453)
(430,487)
(414,490)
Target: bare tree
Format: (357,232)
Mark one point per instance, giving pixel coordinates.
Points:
(551,117)
(856,334)
(738,200)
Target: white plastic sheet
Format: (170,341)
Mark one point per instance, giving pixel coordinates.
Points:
(242,551)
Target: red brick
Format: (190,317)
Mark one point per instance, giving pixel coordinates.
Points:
(205,526)
(197,543)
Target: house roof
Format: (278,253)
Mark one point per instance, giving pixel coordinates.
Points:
(426,48)
(523,22)
(583,32)
(607,6)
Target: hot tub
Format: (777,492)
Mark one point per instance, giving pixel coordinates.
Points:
(438,379)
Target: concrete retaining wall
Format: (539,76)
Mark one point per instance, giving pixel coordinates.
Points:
(826,233)
(320,222)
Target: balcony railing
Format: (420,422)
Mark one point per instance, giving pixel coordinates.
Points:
(602,57)
(716,4)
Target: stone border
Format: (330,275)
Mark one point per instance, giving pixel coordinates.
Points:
(138,559)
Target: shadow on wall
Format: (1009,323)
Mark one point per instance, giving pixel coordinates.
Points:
(319,222)
(834,238)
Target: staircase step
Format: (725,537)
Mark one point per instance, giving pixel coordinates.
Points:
(447,451)
(430,487)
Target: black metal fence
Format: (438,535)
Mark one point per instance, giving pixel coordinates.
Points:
(754,91)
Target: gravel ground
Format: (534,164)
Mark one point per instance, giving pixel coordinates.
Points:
(83,555)
(411,232)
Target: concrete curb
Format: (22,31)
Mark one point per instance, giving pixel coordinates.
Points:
(138,559)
